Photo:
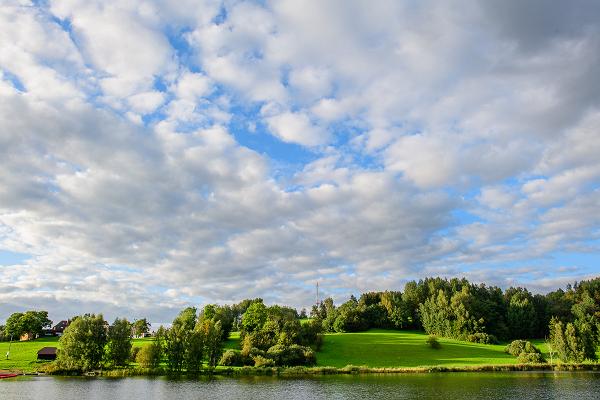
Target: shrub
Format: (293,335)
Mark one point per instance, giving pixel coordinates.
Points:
(482,338)
(433,342)
(133,354)
(232,358)
(293,355)
(516,347)
(260,361)
(530,358)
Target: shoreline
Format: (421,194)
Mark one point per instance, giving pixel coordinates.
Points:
(316,371)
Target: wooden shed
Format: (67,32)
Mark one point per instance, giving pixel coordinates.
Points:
(47,353)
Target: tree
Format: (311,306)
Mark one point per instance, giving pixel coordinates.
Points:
(82,343)
(213,334)
(32,322)
(149,355)
(254,317)
(186,320)
(141,327)
(119,342)
(174,347)
(521,315)
(194,350)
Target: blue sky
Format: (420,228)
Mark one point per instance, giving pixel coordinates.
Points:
(157,154)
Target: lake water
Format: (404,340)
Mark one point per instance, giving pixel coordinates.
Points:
(489,386)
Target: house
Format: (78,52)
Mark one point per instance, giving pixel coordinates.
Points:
(27,336)
(59,328)
(47,353)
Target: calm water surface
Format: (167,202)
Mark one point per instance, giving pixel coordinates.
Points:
(511,385)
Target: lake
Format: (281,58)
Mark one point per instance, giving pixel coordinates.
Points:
(490,386)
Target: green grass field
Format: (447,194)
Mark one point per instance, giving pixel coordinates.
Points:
(23,355)
(387,348)
(374,348)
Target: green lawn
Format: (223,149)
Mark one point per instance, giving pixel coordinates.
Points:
(23,355)
(374,348)
(387,348)
(233,342)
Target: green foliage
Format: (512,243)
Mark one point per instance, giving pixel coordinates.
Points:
(530,358)
(433,342)
(148,355)
(32,322)
(481,337)
(82,343)
(521,315)
(141,327)
(186,320)
(213,335)
(174,348)
(118,350)
(573,342)
(194,344)
(254,317)
(292,355)
(518,346)
(232,358)
(261,361)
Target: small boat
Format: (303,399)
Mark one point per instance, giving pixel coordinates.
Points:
(2,375)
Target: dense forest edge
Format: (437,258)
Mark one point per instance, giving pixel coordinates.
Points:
(276,339)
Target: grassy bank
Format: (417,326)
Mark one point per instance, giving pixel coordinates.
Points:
(378,348)
(374,351)
(23,355)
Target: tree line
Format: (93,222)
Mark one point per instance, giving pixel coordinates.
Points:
(462,310)
(280,336)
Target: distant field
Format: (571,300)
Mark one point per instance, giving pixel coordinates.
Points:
(387,348)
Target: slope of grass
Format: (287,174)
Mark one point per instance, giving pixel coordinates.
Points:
(23,355)
(387,348)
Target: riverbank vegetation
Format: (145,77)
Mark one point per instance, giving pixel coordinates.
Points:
(433,322)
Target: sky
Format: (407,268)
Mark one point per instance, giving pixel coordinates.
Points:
(160,154)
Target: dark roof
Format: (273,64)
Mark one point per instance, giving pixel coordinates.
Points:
(61,325)
(47,351)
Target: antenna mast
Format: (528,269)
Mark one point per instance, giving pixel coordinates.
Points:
(318,300)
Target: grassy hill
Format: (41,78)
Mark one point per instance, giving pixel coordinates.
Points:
(387,348)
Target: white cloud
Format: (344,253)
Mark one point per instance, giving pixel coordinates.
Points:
(297,128)
(441,140)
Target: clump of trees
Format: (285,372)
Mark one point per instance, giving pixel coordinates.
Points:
(525,352)
(274,336)
(29,322)
(458,309)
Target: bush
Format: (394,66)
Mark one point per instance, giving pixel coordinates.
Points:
(433,342)
(148,356)
(232,358)
(293,355)
(516,347)
(133,354)
(482,338)
(260,361)
(530,358)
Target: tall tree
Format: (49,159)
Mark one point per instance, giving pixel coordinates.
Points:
(119,342)
(82,343)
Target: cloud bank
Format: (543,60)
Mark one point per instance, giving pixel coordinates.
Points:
(162,153)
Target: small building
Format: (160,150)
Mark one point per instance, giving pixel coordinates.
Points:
(47,353)
(27,336)
(59,328)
